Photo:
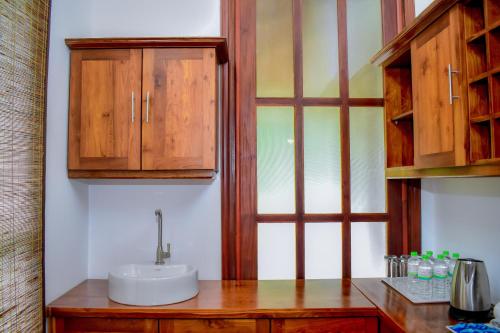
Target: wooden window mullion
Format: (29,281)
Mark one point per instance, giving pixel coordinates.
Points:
(299,138)
(344,138)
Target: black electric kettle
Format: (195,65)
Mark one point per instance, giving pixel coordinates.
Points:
(470,290)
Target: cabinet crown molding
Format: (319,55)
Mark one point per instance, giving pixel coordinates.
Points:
(219,43)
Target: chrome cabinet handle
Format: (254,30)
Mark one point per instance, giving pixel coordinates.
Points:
(133,107)
(147,107)
(450,83)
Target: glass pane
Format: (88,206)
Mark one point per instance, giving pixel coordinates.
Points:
(368,248)
(275,160)
(323,250)
(367,160)
(364,39)
(320,48)
(322,183)
(276,251)
(274,48)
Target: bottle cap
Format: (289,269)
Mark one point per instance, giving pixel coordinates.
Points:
(446,253)
(455,255)
(440,256)
(414,253)
(429,253)
(425,257)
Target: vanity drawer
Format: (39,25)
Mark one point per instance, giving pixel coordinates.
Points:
(325,325)
(215,326)
(102,325)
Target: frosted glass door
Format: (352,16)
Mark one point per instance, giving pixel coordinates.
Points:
(275,160)
(274,48)
(320,49)
(322,183)
(368,184)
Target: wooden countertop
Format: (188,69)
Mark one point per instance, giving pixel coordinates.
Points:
(401,315)
(227,299)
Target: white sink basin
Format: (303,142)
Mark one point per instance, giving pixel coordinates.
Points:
(149,285)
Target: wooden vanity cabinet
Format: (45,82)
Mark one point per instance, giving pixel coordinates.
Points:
(440,93)
(144,108)
(325,325)
(214,326)
(102,325)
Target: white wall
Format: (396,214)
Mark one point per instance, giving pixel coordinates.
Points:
(123,227)
(463,215)
(421,5)
(66,207)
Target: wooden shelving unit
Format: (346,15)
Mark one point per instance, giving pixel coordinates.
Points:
(476,123)
(399,111)
(482,35)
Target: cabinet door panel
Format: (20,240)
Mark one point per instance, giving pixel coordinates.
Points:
(102,133)
(179,132)
(439,126)
(102,325)
(325,325)
(215,326)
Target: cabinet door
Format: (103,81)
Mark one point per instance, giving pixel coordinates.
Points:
(179,109)
(102,325)
(104,117)
(439,117)
(325,325)
(215,326)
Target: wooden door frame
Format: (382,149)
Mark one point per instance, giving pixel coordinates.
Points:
(238,170)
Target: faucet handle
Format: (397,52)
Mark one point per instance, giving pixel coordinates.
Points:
(166,254)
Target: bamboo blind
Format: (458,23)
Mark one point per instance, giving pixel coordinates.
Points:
(23,51)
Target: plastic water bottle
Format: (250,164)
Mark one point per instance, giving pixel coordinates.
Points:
(430,254)
(451,266)
(413,264)
(424,276)
(440,277)
(447,261)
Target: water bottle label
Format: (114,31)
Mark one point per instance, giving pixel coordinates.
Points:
(440,276)
(424,277)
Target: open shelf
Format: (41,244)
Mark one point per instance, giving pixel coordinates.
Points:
(480,141)
(495,93)
(476,57)
(496,137)
(398,111)
(477,35)
(405,116)
(480,119)
(474,17)
(493,11)
(494,36)
(479,98)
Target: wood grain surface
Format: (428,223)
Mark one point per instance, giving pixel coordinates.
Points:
(227,299)
(397,314)
(219,43)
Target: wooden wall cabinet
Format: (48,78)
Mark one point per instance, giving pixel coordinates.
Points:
(442,92)
(439,98)
(144,108)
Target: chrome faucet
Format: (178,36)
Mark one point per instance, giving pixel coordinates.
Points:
(160,254)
